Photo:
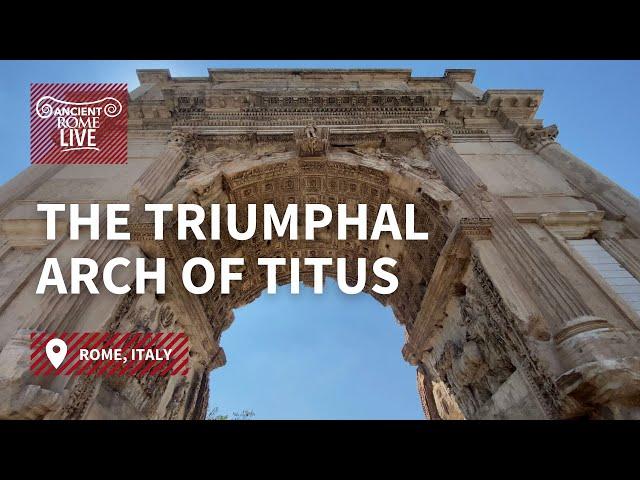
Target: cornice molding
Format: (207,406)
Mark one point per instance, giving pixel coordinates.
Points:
(191,139)
(572,225)
(344,95)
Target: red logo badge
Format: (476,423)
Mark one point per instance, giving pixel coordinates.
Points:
(79,123)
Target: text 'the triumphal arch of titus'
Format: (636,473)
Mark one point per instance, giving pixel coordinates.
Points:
(523,303)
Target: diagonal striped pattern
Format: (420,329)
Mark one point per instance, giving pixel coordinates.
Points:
(133,346)
(111,136)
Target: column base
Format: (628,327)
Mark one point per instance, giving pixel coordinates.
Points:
(603,368)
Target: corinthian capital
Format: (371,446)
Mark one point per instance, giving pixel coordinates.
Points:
(434,137)
(534,138)
(187,141)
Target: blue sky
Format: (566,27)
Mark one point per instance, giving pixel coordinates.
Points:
(329,356)
(338,356)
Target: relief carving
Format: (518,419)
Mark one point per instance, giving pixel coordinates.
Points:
(177,401)
(81,395)
(473,368)
(505,327)
(312,141)
(144,392)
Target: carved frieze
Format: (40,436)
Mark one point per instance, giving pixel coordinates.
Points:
(505,327)
(348,101)
(82,393)
(476,365)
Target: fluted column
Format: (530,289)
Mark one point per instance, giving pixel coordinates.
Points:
(558,301)
(595,186)
(599,363)
(622,254)
(61,311)
(425,392)
(26,182)
(161,175)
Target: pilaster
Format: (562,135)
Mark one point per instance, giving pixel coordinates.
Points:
(162,174)
(555,296)
(579,337)
(25,183)
(622,254)
(613,199)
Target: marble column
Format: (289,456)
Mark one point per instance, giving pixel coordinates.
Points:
(61,311)
(598,365)
(425,392)
(558,301)
(623,255)
(613,199)
(25,183)
(162,174)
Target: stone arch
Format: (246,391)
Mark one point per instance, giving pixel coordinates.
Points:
(510,325)
(352,176)
(474,353)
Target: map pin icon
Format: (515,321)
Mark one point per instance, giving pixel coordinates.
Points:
(56,351)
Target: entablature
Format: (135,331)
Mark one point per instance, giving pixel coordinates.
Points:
(241,97)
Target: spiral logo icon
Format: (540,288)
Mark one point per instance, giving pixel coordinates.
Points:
(113,108)
(44,110)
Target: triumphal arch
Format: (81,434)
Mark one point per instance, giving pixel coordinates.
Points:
(524,302)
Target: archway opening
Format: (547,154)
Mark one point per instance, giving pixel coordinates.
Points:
(308,356)
(352,177)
